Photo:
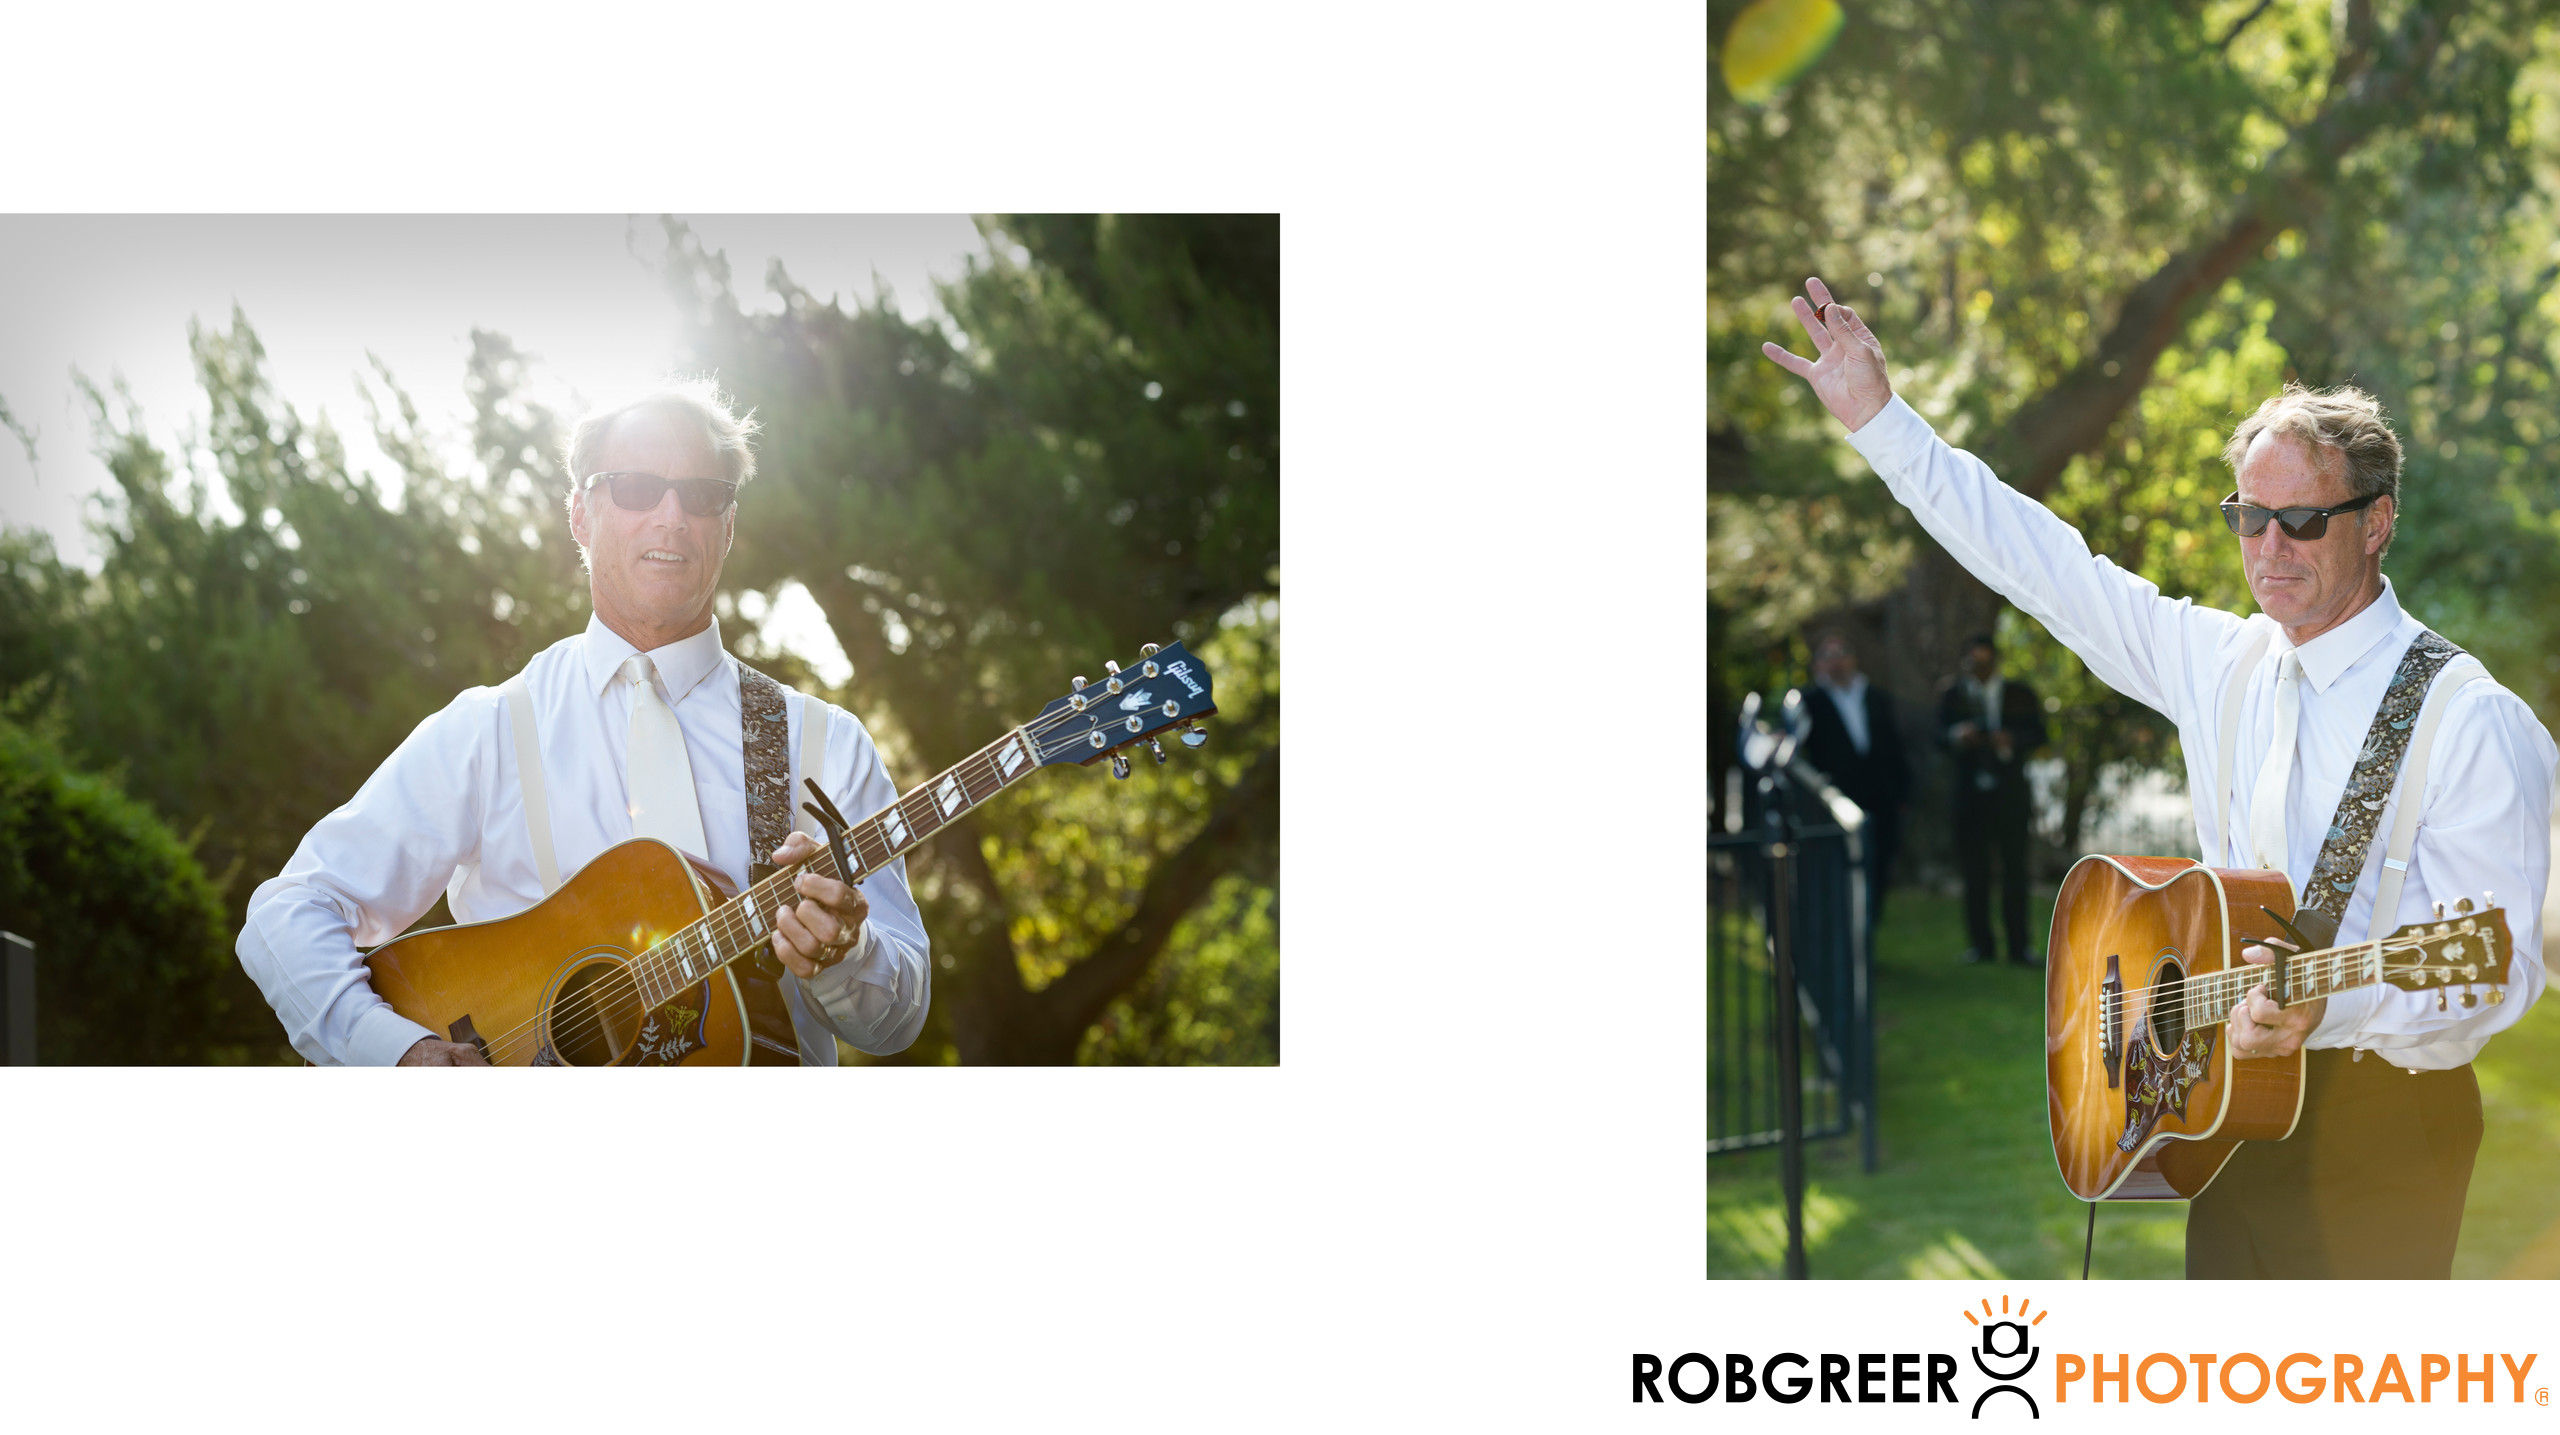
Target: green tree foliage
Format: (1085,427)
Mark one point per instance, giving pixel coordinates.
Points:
(245,673)
(2090,245)
(1085,459)
(132,962)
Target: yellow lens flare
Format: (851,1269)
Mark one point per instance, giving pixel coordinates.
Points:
(1773,41)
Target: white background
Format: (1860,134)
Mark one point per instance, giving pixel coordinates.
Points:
(1473,1188)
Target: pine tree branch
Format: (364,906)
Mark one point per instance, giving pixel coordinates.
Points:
(1176,884)
(2378,79)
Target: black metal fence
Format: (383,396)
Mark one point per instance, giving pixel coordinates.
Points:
(17,1000)
(1811,862)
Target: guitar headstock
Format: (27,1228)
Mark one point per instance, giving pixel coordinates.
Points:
(1166,686)
(2460,949)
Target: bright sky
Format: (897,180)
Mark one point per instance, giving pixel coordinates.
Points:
(111,296)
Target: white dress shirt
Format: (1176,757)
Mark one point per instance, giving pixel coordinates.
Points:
(2485,819)
(1851,703)
(445,813)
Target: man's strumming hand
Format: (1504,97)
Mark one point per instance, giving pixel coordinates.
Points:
(1848,372)
(428,1051)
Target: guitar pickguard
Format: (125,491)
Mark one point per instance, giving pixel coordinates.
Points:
(2156,1083)
(675,1031)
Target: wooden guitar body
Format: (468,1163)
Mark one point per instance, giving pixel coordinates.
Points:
(548,986)
(2142,1109)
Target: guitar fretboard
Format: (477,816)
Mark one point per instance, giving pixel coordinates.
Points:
(736,928)
(2310,977)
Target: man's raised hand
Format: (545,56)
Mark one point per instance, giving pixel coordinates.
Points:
(1849,374)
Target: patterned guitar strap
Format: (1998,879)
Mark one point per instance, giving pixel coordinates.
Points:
(2342,857)
(766,718)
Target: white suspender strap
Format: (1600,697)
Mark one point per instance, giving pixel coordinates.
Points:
(2223,754)
(813,763)
(2457,675)
(537,802)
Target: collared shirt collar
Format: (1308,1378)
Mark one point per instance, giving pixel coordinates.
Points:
(681,664)
(2326,658)
(1848,692)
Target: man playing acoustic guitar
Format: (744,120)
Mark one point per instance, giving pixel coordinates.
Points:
(635,728)
(2371,1183)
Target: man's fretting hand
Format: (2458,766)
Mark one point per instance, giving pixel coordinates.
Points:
(826,922)
(2260,1028)
(427,1051)
(1849,373)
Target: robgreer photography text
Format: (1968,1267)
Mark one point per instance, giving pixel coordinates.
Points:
(2161,1377)
(2300,1377)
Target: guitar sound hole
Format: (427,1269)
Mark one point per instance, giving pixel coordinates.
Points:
(2168,1008)
(595,1016)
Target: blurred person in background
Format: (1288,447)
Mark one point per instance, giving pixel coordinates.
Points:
(1850,730)
(1991,724)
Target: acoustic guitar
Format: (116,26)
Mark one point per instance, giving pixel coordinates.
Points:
(2144,1094)
(629,962)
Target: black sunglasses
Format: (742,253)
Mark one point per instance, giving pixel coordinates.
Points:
(640,492)
(2249,520)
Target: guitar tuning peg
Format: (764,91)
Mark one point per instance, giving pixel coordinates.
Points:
(2488,898)
(2497,996)
(1158,749)
(1149,650)
(1077,683)
(2470,998)
(1120,765)
(1110,665)
(2439,905)
(2439,999)
(1194,735)
(2462,907)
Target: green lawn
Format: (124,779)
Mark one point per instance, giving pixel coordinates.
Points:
(1965,1184)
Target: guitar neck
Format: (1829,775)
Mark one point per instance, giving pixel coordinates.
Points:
(2308,978)
(736,928)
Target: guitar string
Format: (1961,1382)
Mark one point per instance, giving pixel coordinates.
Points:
(619,995)
(2200,1006)
(725,928)
(2317,967)
(614,999)
(609,999)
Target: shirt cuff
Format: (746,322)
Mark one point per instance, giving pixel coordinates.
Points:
(382,1036)
(832,989)
(2344,1019)
(1895,438)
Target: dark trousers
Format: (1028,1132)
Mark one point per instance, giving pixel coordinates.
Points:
(1883,842)
(2369,1186)
(1989,825)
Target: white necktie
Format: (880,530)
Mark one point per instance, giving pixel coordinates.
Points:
(2266,807)
(663,804)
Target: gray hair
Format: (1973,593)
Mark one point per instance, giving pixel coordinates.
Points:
(732,434)
(2346,421)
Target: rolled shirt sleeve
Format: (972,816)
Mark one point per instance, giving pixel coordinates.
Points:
(2152,649)
(875,999)
(361,877)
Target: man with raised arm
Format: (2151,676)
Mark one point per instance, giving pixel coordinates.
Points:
(2371,1183)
